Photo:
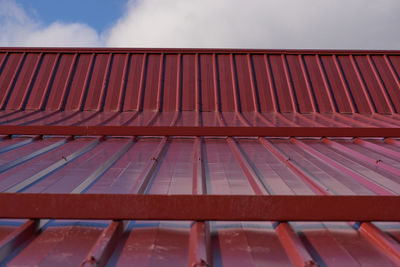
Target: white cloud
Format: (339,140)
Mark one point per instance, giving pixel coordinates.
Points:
(259,24)
(340,24)
(19,29)
(59,34)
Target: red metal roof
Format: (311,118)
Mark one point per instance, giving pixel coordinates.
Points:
(38,82)
(160,157)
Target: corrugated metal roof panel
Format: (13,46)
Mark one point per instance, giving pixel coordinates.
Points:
(304,124)
(224,81)
(232,243)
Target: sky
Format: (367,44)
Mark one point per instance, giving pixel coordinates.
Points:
(265,24)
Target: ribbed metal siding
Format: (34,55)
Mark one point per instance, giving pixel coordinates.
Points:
(201,81)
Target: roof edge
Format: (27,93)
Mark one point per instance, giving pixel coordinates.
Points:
(194,50)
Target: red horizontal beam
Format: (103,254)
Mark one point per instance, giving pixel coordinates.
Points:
(199,207)
(199,131)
